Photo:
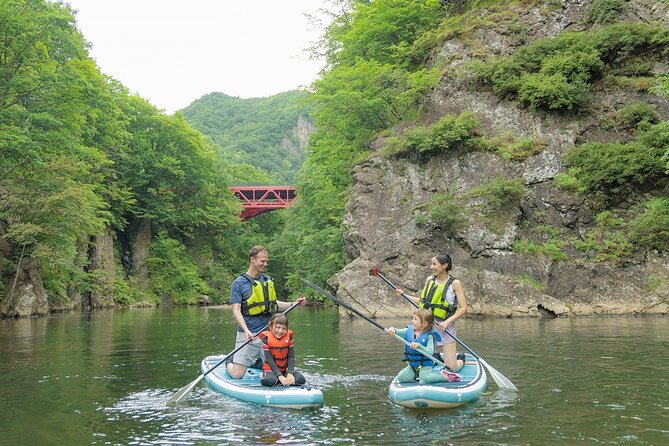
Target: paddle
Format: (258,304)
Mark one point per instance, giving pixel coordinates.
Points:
(501,380)
(184,391)
(450,376)
(375,272)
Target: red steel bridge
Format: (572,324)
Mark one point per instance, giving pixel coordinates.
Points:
(257,200)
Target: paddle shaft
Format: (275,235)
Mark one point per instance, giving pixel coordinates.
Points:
(376,272)
(500,379)
(287,310)
(368,319)
(181,394)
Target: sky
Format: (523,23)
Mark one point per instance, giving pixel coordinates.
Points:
(172,52)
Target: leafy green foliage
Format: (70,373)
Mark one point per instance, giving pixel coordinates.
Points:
(49,176)
(662,85)
(568,181)
(174,275)
(650,227)
(662,88)
(447,212)
(607,240)
(79,155)
(552,92)
(618,168)
(376,78)
(387,31)
(638,115)
(172,173)
(512,148)
(557,73)
(604,11)
(552,250)
(501,192)
(254,132)
(449,133)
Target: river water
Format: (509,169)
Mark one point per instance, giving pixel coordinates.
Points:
(103,378)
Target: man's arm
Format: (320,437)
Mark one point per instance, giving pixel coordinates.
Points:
(283,305)
(237,315)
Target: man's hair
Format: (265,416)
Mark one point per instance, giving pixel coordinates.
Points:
(257,249)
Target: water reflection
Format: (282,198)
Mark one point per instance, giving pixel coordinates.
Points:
(104,378)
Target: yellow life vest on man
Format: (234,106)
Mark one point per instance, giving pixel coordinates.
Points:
(433,297)
(262,299)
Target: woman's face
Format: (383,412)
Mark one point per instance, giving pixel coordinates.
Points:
(278,330)
(437,268)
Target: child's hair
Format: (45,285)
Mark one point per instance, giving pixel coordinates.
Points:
(425,316)
(278,318)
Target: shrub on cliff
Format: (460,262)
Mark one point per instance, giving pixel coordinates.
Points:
(650,228)
(604,11)
(501,193)
(449,133)
(639,115)
(605,169)
(557,73)
(446,211)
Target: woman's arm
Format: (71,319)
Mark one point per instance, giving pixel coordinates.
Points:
(413,299)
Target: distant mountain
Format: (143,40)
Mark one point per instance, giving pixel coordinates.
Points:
(268,133)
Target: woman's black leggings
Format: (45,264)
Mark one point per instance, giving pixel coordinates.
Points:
(270,379)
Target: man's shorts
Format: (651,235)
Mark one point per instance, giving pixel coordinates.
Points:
(249,353)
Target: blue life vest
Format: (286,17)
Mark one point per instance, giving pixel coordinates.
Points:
(414,357)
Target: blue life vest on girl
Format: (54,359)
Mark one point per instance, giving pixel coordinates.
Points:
(414,357)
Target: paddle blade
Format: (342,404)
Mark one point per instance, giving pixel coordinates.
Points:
(501,380)
(184,391)
(374,271)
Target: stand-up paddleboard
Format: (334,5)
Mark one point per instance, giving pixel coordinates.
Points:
(473,382)
(248,388)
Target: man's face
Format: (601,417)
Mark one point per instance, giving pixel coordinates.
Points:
(259,262)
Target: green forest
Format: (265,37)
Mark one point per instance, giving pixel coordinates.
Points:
(81,156)
(252,132)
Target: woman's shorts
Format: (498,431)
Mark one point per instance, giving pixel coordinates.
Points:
(446,339)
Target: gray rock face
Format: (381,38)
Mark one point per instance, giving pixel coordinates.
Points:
(385,219)
(296,143)
(26,295)
(102,260)
(141,241)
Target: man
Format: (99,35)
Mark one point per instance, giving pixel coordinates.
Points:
(253,301)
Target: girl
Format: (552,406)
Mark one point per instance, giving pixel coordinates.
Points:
(422,337)
(444,297)
(279,354)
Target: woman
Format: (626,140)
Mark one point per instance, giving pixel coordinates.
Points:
(444,297)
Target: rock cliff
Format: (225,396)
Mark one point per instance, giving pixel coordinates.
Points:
(385,225)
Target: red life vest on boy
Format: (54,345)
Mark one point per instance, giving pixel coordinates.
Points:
(278,348)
